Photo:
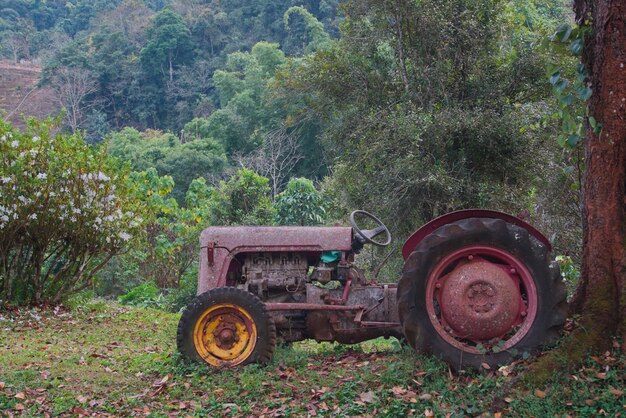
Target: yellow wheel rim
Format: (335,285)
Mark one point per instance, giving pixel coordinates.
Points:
(225,335)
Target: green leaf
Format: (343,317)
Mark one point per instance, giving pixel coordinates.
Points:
(592,122)
(581,73)
(563,33)
(595,125)
(577,47)
(566,34)
(584,93)
(555,77)
(572,140)
(561,85)
(552,69)
(568,100)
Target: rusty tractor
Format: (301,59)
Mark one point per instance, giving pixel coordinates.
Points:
(477,287)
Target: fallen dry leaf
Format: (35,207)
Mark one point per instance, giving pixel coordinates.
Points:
(2,385)
(20,395)
(426,397)
(367,397)
(540,393)
(616,392)
(485,366)
(398,390)
(19,407)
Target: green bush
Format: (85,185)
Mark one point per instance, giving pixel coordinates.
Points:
(300,204)
(65,210)
(146,295)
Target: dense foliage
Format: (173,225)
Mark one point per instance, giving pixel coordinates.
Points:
(421,100)
(150,63)
(66,209)
(238,112)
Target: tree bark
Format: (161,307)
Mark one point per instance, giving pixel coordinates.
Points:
(601,296)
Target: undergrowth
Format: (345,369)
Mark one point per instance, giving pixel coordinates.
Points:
(105,359)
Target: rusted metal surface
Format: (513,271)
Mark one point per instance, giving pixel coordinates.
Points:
(488,297)
(479,301)
(228,242)
(328,323)
(310,307)
(431,226)
(263,272)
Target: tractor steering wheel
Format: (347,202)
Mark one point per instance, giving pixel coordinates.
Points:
(367,235)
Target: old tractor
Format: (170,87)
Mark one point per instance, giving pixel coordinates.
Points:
(477,287)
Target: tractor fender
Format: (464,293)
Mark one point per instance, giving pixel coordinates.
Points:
(436,223)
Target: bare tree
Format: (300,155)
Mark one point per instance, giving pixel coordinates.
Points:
(16,45)
(73,86)
(276,158)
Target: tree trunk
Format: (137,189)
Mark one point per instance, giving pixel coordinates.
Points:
(601,296)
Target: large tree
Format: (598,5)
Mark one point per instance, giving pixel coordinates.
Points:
(601,296)
(602,293)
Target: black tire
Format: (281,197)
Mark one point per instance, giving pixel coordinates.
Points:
(550,293)
(239,302)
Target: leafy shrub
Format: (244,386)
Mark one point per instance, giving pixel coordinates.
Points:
(300,204)
(146,295)
(569,271)
(178,298)
(243,200)
(65,209)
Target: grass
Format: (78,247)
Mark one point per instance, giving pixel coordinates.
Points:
(107,360)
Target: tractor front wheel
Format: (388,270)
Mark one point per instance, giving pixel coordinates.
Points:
(481,291)
(226,327)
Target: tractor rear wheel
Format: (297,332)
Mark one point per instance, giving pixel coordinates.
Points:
(481,291)
(226,327)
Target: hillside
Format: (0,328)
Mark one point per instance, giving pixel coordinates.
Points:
(19,94)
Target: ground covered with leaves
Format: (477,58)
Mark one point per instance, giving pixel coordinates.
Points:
(103,359)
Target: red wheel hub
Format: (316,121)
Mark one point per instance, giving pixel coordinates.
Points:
(481,296)
(479,301)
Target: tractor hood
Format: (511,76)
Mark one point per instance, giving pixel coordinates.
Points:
(221,244)
(270,238)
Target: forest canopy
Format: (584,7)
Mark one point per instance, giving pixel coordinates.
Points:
(285,112)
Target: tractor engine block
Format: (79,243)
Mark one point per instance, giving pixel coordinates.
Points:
(266,272)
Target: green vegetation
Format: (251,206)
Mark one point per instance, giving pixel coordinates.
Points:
(407,109)
(61,219)
(179,115)
(107,359)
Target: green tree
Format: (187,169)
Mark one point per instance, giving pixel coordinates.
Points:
(242,200)
(184,162)
(423,112)
(318,38)
(300,204)
(169,45)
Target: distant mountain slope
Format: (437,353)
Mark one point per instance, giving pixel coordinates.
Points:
(19,94)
